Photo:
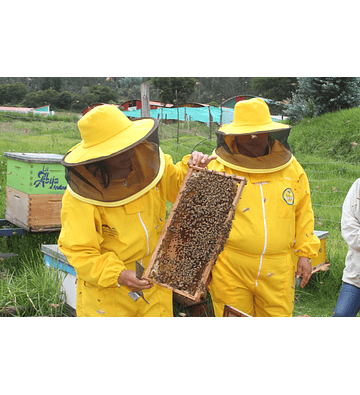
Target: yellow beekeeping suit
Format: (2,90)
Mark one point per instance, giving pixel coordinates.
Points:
(255,273)
(100,241)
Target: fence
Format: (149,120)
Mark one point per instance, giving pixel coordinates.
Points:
(329,181)
(329,184)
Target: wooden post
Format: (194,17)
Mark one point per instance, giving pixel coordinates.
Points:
(187,120)
(210,121)
(145,100)
(161,119)
(178,119)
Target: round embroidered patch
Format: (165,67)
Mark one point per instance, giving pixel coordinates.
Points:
(288,196)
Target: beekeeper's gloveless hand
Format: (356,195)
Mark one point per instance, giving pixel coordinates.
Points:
(199,159)
(128,278)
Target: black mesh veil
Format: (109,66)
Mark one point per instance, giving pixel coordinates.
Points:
(84,180)
(277,152)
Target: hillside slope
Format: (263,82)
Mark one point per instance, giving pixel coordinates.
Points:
(334,136)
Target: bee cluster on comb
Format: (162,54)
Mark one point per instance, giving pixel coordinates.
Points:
(196,231)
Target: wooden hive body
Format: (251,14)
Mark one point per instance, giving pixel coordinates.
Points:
(34,213)
(195,232)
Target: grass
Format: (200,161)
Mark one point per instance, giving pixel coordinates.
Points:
(327,148)
(330,136)
(31,289)
(180,142)
(322,145)
(55,140)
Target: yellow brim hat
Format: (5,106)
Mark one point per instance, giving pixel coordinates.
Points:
(106,131)
(251,116)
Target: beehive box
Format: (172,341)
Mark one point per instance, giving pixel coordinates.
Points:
(35,185)
(230,311)
(55,258)
(35,173)
(195,232)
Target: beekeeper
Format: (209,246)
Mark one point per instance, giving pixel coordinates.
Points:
(255,272)
(348,303)
(113,212)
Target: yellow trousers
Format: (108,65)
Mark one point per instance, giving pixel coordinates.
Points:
(116,302)
(261,286)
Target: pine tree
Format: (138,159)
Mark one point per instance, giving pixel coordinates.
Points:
(319,95)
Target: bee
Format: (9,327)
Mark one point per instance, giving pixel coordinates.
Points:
(198,231)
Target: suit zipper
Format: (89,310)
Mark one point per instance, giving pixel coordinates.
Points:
(265,229)
(147,234)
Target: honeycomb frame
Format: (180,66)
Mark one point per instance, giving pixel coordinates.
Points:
(183,258)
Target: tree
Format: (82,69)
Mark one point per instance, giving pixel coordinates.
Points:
(174,87)
(64,100)
(103,94)
(129,88)
(218,89)
(12,93)
(319,95)
(56,83)
(275,88)
(83,101)
(51,83)
(48,97)
(31,100)
(42,98)
(3,94)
